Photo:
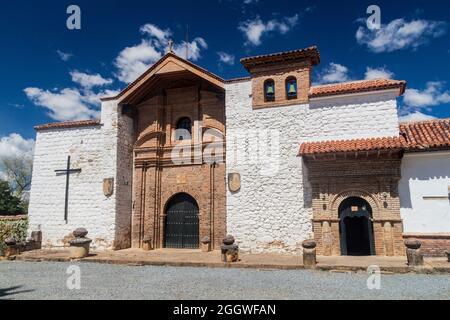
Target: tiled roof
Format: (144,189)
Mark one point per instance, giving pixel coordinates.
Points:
(357,86)
(337,146)
(68,124)
(433,134)
(310,52)
(414,136)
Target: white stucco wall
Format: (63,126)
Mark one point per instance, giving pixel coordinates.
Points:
(425,175)
(272,211)
(47,198)
(98,151)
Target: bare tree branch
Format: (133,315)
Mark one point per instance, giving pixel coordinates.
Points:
(18,173)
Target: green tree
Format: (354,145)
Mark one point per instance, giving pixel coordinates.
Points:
(17,171)
(9,204)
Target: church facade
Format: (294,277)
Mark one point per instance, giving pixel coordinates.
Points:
(183,156)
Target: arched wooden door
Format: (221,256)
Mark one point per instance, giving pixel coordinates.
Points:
(356,228)
(182,223)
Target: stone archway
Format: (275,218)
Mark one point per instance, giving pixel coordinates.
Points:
(370,177)
(338,199)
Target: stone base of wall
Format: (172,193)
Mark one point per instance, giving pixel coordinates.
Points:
(433,244)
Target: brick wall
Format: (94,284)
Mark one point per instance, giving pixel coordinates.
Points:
(157,178)
(433,245)
(372,179)
(300,71)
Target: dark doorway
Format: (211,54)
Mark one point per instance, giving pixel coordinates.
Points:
(356,230)
(182,223)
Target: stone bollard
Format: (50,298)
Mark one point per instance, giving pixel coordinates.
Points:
(309,254)
(12,248)
(448,255)
(206,244)
(230,250)
(147,243)
(79,247)
(413,253)
(34,242)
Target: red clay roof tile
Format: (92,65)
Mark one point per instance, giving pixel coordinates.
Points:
(357,86)
(68,124)
(310,52)
(424,135)
(432,134)
(337,146)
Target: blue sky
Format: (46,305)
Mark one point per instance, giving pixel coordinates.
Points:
(53,74)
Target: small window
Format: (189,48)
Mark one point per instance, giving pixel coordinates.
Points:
(291,88)
(269,90)
(184,129)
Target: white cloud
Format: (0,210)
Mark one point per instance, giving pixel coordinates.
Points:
(255,29)
(195,47)
(432,95)
(66,104)
(415,116)
(135,60)
(93,98)
(226,58)
(15,145)
(156,32)
(334,72)
(64,56)
(400,34)
(89,80)
(378,73)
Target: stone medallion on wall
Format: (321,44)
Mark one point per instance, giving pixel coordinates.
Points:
(234,182)
(108,187)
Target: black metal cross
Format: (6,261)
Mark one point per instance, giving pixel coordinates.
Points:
(67,171)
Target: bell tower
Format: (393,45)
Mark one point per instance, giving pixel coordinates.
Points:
(281,79)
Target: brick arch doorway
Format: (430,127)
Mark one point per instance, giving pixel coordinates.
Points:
(356,228)
(182,222)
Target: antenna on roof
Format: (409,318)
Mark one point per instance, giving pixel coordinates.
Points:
(187,42)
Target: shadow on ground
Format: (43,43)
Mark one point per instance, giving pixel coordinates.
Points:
(8,292)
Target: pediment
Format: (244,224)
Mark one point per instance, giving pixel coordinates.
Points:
(169,66)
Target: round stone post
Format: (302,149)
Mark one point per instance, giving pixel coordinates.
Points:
(12,248)
(309,254)
(79,247)
(230,250)
(413,253)
(206,244)
(147,243)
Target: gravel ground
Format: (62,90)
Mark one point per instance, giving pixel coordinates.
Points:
(42,280)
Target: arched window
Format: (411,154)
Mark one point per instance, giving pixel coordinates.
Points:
(269,90)
(184,129)
(291,88)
